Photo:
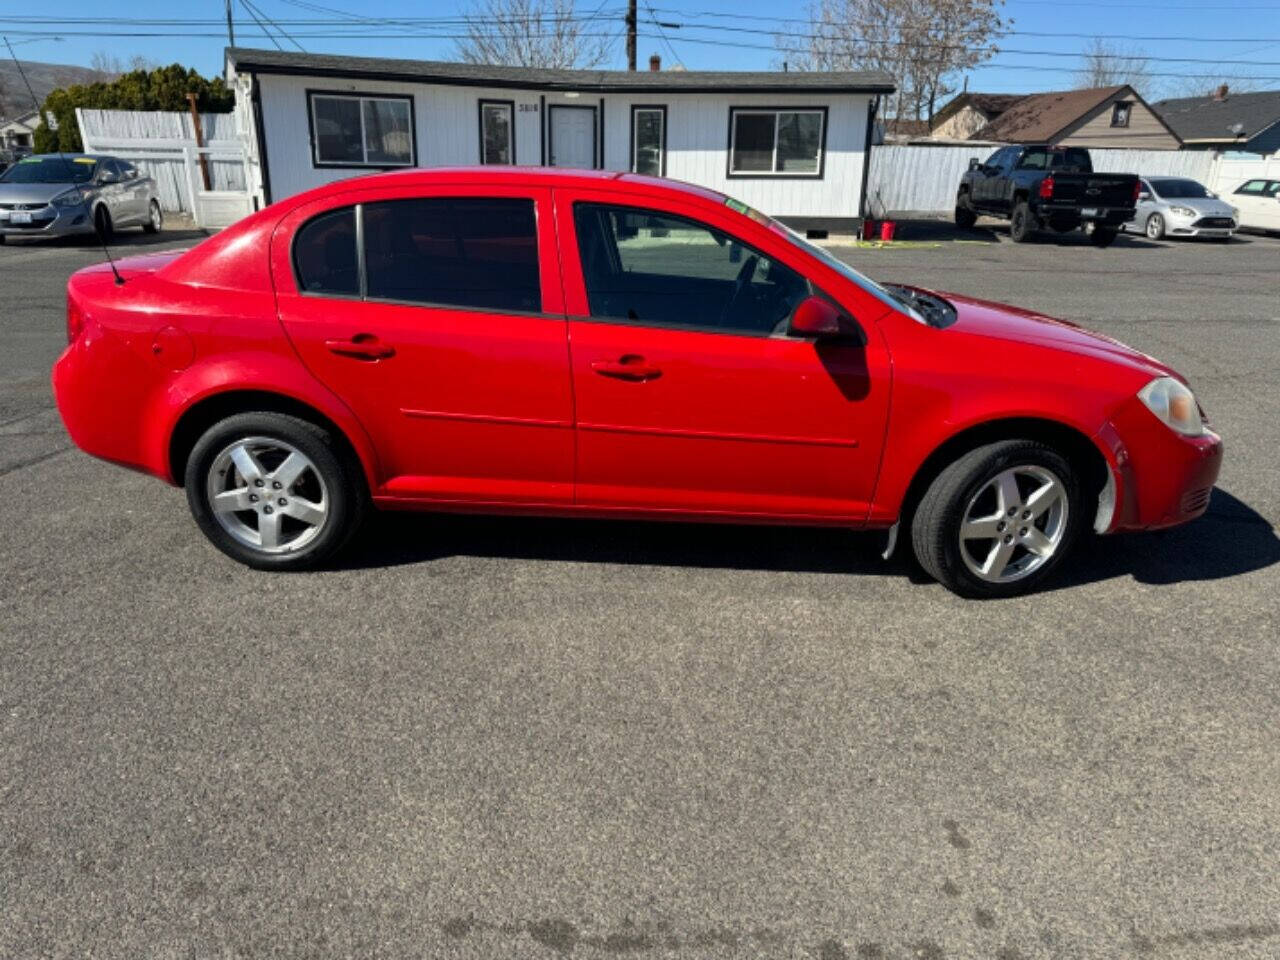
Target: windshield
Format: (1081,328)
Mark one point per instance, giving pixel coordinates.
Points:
(1175,189)
(50,170)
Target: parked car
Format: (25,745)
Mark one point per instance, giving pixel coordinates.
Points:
(1258,201)
(53,195)
(596,344)
(1046,187)
(1179,207)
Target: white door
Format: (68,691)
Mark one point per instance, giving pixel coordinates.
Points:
(573,137)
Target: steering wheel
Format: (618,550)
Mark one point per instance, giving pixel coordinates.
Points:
(745,273)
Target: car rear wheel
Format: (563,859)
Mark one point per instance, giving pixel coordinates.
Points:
(273,491)
(965,215)
(1021,223)
(155,219)
(999,520)
(102,224)
(1155,226)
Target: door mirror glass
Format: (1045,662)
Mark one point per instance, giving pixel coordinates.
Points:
(816,318)
(974,163)
(1143,195)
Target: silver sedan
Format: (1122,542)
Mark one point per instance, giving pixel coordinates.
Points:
(53,195)
(1179,207)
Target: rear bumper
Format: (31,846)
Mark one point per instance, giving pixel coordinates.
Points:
(1075,213)
(1161,478)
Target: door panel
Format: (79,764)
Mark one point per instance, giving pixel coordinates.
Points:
(462,404)
(573,137)
(738,423)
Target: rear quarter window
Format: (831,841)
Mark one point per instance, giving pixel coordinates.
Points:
(324,254)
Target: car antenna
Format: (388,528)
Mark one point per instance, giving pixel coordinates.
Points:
(80,193)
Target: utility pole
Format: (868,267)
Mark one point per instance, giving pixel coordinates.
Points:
(231,30)
(631,34)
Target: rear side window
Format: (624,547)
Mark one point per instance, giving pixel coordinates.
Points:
(469,252)
(324,254)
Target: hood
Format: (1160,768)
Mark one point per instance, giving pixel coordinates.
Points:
(1002,322)
(40,193)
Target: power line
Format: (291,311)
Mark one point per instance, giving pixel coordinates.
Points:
(249,10)
(277,26)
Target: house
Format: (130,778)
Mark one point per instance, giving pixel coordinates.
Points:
(899,130)
(965,115)
(793,145)
(17,133)
(1098,117)
(1243,122)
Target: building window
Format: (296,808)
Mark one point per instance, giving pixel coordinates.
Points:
(775,142)
(497,131)
(359,130)
(1120,113)
(649,140)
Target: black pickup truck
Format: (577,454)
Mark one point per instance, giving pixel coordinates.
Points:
(1038,186)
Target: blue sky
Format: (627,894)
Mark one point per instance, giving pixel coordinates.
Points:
(1212,24)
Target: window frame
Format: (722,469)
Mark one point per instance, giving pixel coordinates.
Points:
(1260,192)
(750,249)
(1116,107)
(360,96)
(660,108)
(362,273)
(777,111)
(511,128)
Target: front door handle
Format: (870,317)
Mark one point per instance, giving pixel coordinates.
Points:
(363,346)
(631,367)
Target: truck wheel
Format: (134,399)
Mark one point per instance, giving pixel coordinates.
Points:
(1102,236)
(965,216)
(1021,224)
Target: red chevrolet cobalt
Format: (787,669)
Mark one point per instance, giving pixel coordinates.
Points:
(599,344)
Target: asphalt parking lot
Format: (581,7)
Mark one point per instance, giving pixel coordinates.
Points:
(528,738)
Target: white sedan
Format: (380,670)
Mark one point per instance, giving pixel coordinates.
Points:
(1259,204)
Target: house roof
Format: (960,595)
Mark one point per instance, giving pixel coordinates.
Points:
(1039,117)
(28,119)
(487,75)
(1208,119)
(990,105)
(906,128)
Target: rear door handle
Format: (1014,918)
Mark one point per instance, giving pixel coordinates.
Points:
(631,367)
(363,346)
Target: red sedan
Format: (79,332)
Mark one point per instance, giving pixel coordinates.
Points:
(599,344)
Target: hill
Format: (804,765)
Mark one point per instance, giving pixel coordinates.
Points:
(43,77)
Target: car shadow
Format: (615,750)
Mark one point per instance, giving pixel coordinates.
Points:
(124,239)
(942,231)
(1229,540)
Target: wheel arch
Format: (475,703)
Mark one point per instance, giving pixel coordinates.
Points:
(207,411)
(1072,443)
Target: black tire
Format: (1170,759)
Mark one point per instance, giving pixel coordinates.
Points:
(966,217)
(1103,236)
(102,224)
(344,492)
(935,526)
(155,218)
(3,238)
(1021,223)
(1154,227)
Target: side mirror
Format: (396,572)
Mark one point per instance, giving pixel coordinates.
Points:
(974,163)
(1143,195)
(817,318)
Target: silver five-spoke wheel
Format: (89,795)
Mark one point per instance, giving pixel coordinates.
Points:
(1014,524)
(267,494)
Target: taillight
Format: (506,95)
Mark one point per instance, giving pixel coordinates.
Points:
(1137,189)
(1046,188)
(75,319)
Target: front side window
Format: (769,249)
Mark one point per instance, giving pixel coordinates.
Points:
(467,252)
(779,142)
(497,131)
(1120,113)
(353,130)
(649,140)
(1252,187)
(650,268)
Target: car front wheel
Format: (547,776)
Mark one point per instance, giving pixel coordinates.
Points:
(966,217)
(999,520)
(155,219)
(1155,226)
(273,491)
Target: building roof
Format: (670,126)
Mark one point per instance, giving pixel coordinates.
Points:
(1040,117)
(896,127)
(245,60)
(990,105)
(1211,119)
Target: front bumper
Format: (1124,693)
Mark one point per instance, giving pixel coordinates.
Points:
(47,221)
(1161,478)
(1198,226)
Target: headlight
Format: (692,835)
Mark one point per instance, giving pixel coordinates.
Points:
(1182,211)
(1174,403)
(72,198)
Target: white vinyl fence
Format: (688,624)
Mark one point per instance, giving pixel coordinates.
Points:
(921,180)
(163,145)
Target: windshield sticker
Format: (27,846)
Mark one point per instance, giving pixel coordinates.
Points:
(85,160)
(739,207)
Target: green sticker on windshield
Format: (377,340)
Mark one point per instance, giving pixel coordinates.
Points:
(739,207)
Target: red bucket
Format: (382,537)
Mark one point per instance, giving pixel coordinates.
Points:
(868,229)
(886,230)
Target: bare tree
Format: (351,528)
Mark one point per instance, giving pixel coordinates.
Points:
(1204,85)
(108,66)
(535,33)
(922,44)
(1107,64)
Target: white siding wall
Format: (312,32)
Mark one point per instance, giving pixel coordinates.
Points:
(447,123)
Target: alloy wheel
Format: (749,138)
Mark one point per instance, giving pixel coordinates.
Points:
(1155,226)
(267,494)
(157,218)
(1014,524)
